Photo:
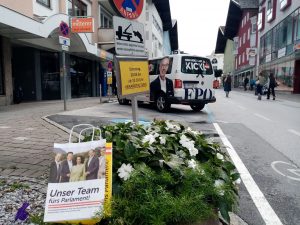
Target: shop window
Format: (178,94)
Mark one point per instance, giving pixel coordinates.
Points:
(44,2)
(1,73)
(261,19)
(284,4)
(80,9)
(106,19)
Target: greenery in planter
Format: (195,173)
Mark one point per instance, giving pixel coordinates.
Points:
(166,173)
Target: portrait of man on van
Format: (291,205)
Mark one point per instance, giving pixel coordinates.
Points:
(161,83)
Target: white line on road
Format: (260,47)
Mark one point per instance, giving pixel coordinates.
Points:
(294,132)
(261,116)
(263,206)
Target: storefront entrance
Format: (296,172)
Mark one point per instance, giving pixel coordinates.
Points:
(81,77)
(297,77)
(23,73)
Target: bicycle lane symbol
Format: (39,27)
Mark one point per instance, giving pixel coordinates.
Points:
(286,169)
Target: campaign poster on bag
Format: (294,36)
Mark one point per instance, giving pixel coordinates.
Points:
(79,181)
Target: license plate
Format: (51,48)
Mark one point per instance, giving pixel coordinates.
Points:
(187,85)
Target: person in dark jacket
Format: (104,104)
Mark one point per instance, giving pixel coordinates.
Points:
(66,167)
(55,168)
(92,166)
(162,83)
(227,84)
(271,85)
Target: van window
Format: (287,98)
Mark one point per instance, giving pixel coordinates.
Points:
(154,66)
(196,65)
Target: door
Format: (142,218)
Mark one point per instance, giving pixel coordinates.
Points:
(297,77)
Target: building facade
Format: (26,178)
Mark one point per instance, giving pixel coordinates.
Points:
(31,57)
(279,42)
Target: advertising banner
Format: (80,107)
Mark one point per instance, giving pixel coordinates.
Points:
(79,185)
(82,25)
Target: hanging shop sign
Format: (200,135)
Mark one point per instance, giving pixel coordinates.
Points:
(130,9)
(82,24)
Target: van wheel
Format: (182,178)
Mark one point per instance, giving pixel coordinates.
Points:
(197,107)
(161,103)
(123,101)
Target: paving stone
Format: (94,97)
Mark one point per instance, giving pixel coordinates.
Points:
(18,172)
(6,172)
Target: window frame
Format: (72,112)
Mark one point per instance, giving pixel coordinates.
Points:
(41,2)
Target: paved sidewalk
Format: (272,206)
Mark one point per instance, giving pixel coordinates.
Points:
(26,140)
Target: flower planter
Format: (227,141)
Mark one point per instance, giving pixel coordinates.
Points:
(166,173)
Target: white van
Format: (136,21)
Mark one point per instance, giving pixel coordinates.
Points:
(192,78)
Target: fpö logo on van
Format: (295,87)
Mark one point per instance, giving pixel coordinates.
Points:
(130,9)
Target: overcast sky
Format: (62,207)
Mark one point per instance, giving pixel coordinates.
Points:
(198,23)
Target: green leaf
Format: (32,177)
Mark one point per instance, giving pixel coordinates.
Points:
(129,151)
(228,166)
(224,209)
(235,176)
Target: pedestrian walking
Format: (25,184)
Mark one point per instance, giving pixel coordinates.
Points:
(259,85)
(252,84)
(271,83)
(227,85)
(246,81)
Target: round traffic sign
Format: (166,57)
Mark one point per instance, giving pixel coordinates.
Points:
(64,29)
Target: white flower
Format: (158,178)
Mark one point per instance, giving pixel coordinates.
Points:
(192,164)
(171,126)
(219,183)
(155,135)
(124,171)
(148,138)
(238,181)
(189,130)
(162,140)
(193,151)
(220,156)
(189,144)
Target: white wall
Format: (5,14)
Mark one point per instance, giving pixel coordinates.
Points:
(41,10)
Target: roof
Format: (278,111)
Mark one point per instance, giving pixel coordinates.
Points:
(234,15)
(163,8)
(221,41)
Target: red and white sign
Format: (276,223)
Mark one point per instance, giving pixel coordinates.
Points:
(82,25)
(130,9)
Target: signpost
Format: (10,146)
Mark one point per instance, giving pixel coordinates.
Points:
(129,37)
(132,79)
(131,62)
(64,40)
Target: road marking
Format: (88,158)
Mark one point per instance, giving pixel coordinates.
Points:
(263,206)
(4,127)
(242,107)
(262,117)
(295,171)
(294,132)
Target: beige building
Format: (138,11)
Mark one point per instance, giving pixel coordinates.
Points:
(31,56)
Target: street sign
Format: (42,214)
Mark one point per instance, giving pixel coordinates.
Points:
(82,24)
(64,41)
(65,48)
(109,77)
(129,37)
(64,29)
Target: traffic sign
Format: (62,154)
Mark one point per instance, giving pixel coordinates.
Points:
(64,41)
(64,29)
(65,48)
(129,37)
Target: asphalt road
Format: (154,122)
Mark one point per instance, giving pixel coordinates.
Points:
(265,135)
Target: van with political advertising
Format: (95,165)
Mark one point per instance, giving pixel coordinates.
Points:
(179,79)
